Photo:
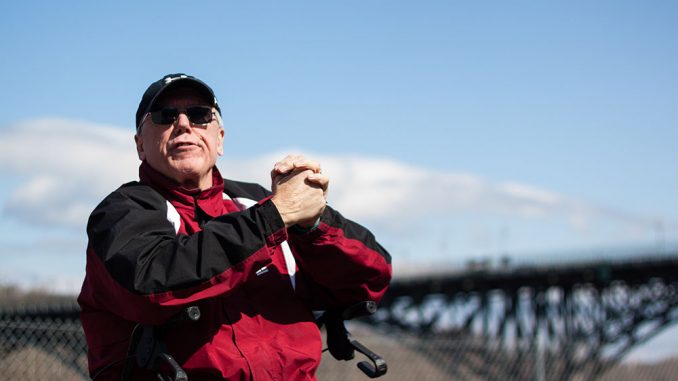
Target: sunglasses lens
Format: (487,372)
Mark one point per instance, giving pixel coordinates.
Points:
(199,114)
(195,114)
(164,116)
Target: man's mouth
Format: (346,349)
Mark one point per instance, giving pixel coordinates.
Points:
(183,144)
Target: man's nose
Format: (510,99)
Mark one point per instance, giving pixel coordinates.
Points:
(182,122)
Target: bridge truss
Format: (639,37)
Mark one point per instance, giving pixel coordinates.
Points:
(563,322)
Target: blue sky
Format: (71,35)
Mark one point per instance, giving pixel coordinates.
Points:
(542,131)
(517,128)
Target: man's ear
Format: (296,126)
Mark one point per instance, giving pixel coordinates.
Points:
(140,147)
(220,142)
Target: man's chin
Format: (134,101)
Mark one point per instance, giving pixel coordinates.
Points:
(189,164)
(191,172)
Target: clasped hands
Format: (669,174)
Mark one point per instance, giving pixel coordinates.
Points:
(299,190)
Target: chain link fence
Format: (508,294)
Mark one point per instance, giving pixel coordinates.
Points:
(42,340)
(45,342)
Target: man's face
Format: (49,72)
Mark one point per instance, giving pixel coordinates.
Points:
(181,151)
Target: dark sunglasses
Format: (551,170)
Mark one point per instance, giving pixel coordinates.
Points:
(197,115)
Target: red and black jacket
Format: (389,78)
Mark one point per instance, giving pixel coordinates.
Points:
(155,248)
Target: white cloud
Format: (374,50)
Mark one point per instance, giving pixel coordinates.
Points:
(66,167)
(67,148)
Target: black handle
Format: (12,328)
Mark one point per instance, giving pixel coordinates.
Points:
(378,367)
(343,347)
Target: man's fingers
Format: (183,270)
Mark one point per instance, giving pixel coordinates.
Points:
(320,180)
(292,162)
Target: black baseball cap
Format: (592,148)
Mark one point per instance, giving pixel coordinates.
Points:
(170,81)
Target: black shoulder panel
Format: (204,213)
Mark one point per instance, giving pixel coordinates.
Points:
(242,189)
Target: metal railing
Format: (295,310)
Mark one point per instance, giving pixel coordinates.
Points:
(46,342)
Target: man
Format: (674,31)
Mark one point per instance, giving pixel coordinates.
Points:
(257,263)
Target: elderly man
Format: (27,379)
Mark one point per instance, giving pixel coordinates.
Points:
(257,263)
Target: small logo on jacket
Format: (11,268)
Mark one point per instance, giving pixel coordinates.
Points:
(262,271)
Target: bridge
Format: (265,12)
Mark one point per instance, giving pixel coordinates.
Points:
(569,321)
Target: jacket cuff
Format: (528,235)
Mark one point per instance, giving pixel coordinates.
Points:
(275,227)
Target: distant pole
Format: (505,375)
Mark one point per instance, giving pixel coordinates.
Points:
(659,232)
(502,249)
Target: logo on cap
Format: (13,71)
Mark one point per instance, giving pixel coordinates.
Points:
(169,79)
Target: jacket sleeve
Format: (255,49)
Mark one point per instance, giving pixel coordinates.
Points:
(343,261)
(139,267)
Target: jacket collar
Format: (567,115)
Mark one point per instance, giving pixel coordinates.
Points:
(210,200)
